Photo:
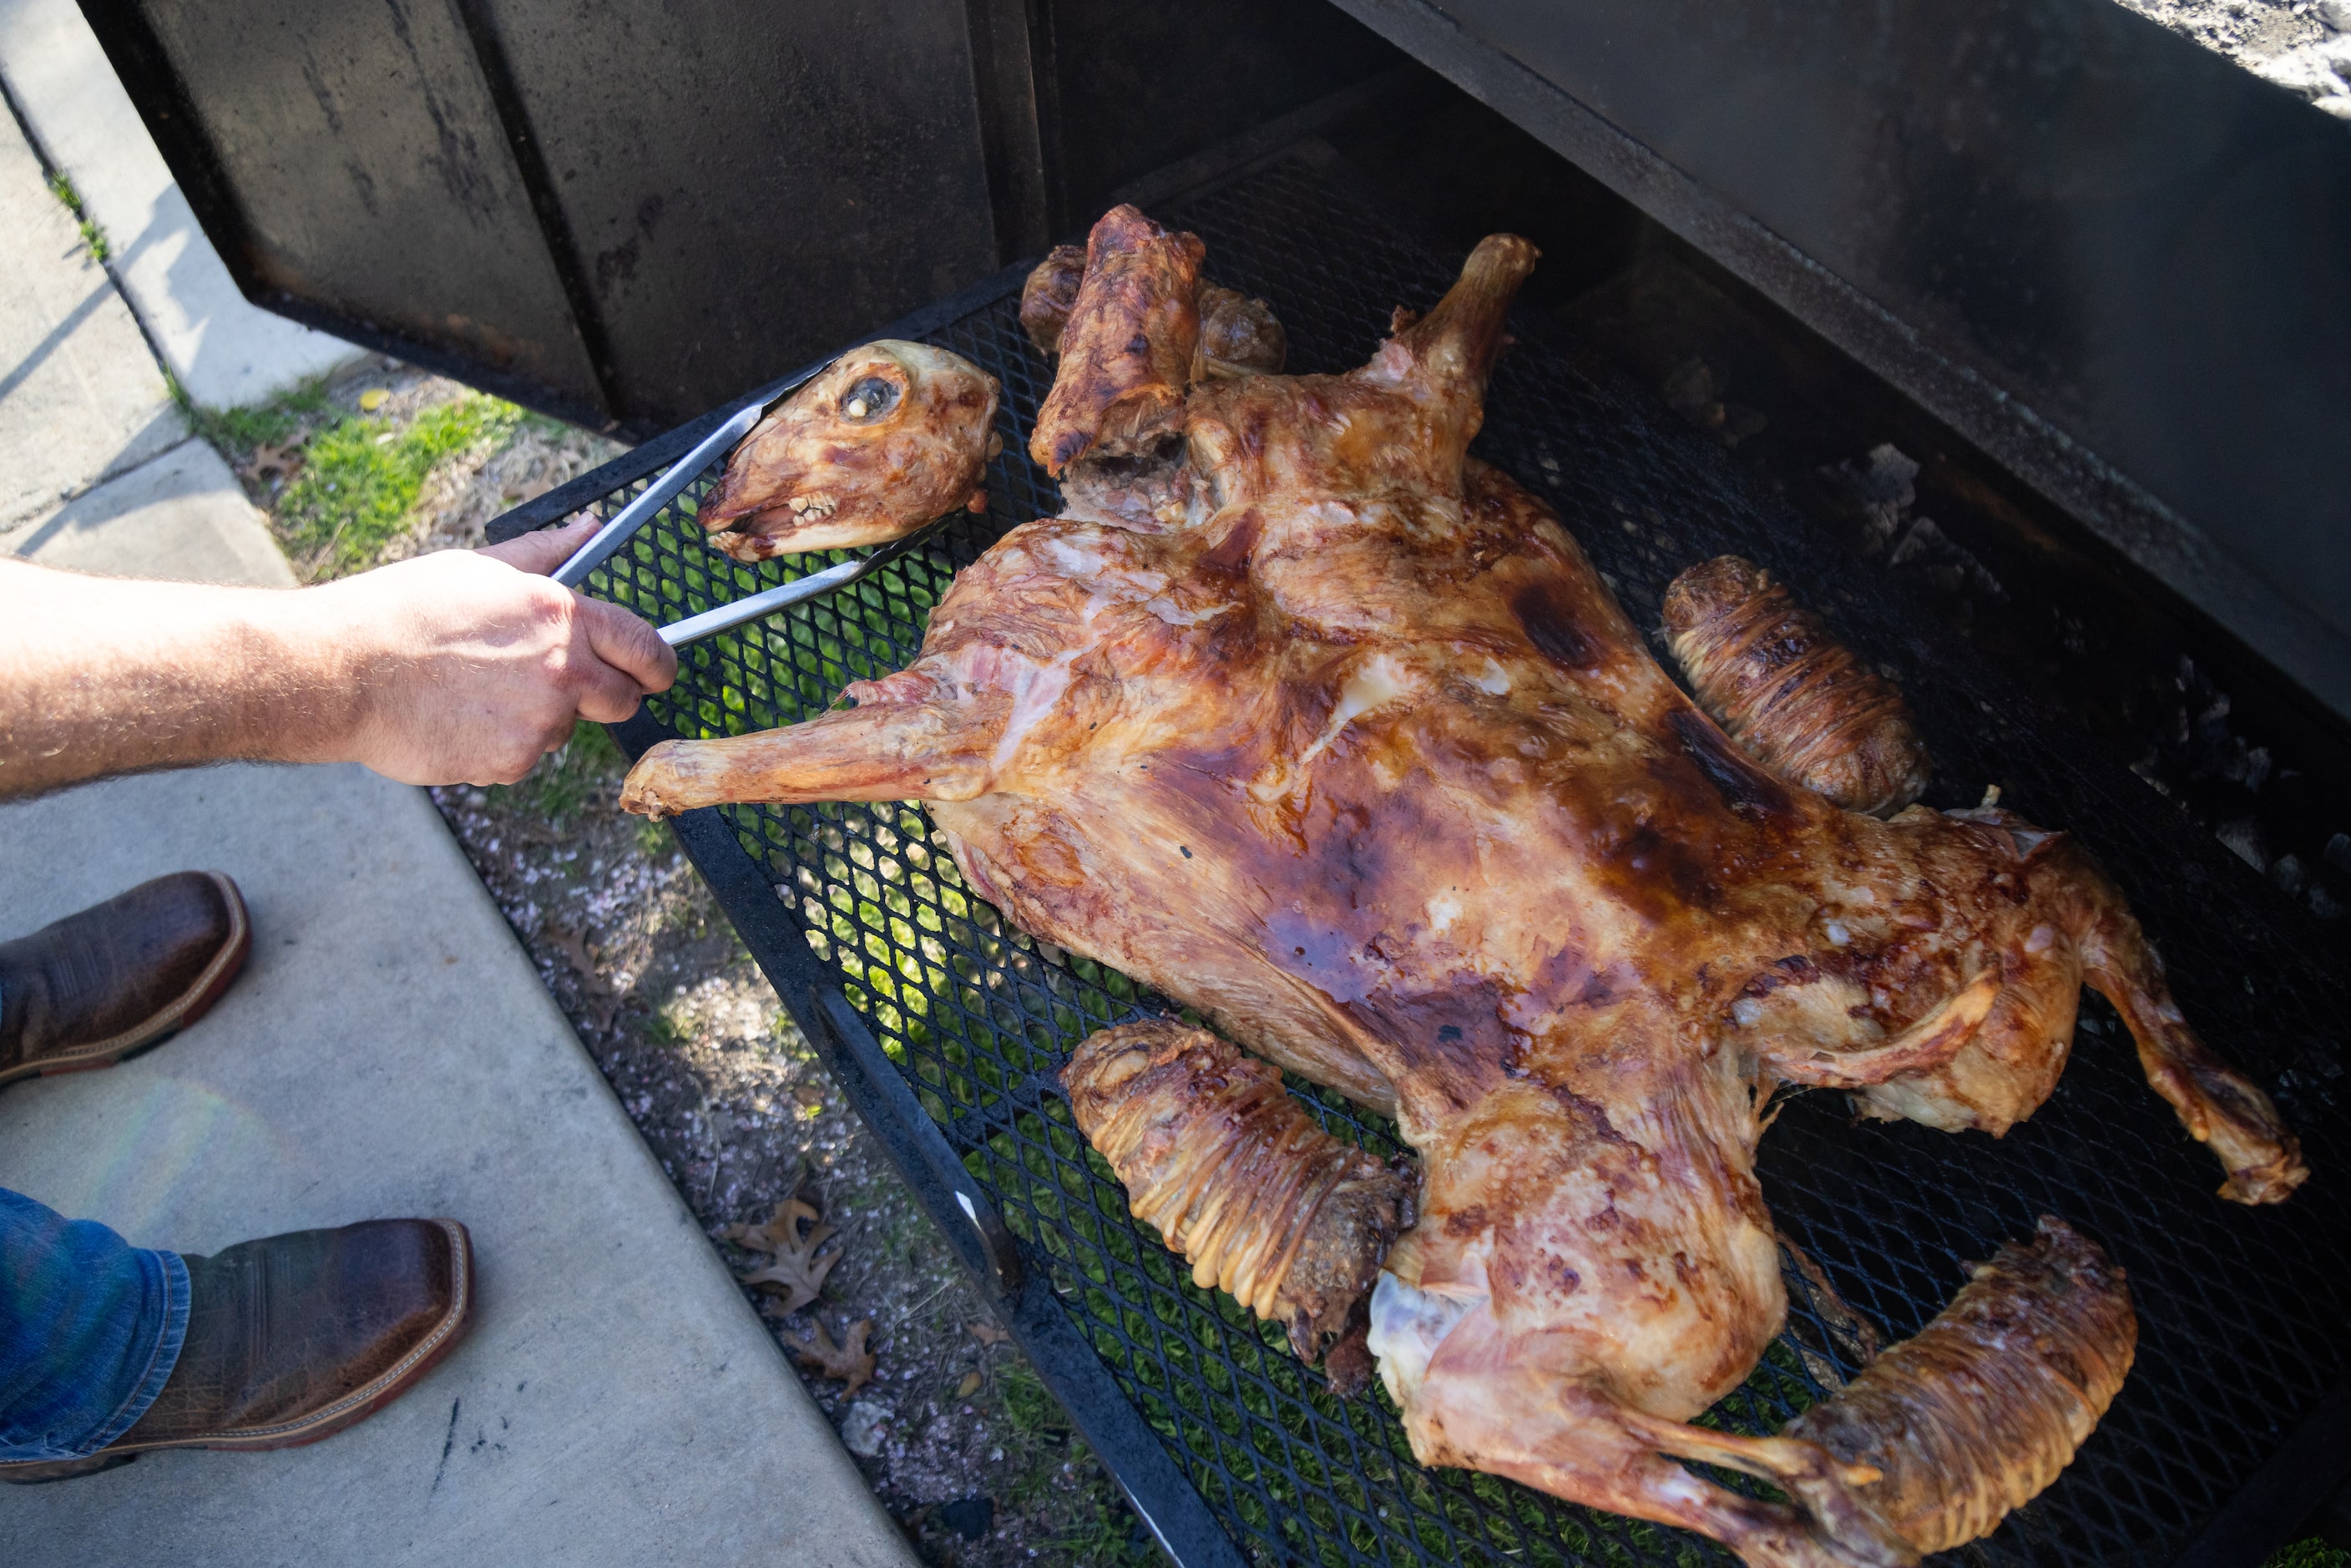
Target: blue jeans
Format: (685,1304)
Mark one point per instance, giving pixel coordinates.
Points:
(90,1328)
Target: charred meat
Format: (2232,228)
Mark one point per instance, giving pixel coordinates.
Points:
(1980,1411)
(1238,336)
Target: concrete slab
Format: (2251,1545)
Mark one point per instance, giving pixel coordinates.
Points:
(182,516)
(80,397)
(390,1053)
(225,352)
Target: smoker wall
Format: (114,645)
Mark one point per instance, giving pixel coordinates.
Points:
(2114,260)
(627,213)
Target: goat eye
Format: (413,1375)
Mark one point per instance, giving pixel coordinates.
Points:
(870,399)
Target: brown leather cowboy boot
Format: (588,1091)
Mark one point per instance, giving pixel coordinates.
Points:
(293,1338)
(120,977)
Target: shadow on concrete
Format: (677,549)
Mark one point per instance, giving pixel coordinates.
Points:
(38,354)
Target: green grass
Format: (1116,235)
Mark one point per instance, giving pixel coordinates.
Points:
(2311,1553)
(61,186)
(362,475)
(1028,1403)
(567,778)
(283,420)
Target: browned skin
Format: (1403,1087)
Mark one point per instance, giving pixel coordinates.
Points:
(1791,696)
(892,435)
(1236,1177)
(1238,336)
(1127,348)
(1982,1409)
(1046,298)
(1351,749)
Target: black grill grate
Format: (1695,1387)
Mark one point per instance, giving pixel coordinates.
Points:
(2243,1313)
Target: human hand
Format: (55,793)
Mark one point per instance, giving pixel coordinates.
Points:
(468,665)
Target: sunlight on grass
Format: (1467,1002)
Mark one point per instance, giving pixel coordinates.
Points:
(567,778)
(362,475)
(283,420)
(62,188)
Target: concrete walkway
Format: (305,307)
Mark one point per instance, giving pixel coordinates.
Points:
(389,1052)
(83,397)
(225,352)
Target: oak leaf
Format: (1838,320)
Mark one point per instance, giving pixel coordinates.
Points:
(793,1235)
(572,943)
(280,463)
(849,1361)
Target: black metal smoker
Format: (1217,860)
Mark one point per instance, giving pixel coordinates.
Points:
(2091,283)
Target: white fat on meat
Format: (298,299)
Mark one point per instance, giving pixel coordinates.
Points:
(1407,1325)
(1374,682)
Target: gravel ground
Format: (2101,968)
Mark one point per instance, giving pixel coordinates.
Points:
(951,1427)
(2303,46)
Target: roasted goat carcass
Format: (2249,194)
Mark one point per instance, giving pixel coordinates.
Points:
(891,435)
(1302,716)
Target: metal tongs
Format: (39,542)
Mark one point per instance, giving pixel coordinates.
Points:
(662,491)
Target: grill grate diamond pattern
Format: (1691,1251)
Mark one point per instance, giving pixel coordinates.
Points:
(2242,1312)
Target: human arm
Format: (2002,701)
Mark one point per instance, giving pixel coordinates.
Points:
(462,666)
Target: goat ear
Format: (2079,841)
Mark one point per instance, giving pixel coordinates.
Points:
(927,750)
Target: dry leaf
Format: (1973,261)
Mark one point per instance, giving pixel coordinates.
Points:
(373,399)
(969,1386)
(574,945)
(849,1361)
(269,462)
(793,1233)
(985,1332)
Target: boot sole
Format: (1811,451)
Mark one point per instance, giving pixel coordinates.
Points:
(191,1005)
(320,1424)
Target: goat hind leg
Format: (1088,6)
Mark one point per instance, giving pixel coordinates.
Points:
(2218,1106)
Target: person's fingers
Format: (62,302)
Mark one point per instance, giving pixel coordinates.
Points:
(628,645)
(541,550)
(520,753)
(606,694)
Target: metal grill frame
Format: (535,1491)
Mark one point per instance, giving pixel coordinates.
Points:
(944,1024)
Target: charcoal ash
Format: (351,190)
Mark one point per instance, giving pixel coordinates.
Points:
(1875,497)
(2270,815)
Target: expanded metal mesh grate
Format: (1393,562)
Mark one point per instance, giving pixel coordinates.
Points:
(2243,1313)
